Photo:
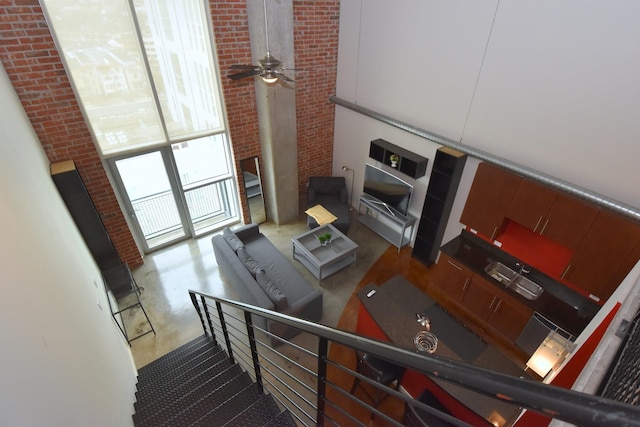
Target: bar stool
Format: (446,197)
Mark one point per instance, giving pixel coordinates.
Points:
(381,371)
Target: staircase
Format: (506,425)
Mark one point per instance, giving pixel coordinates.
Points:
(199,385)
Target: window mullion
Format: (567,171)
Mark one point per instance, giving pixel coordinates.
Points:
(145,60)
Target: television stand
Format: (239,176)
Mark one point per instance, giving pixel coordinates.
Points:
(392,226)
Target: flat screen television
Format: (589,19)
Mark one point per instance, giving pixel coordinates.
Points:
(390,191)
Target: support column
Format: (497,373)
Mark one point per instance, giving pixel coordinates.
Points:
(276,108)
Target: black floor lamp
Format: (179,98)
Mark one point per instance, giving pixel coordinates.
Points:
(347,169)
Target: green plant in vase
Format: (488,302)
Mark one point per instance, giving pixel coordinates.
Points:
(324,238)
(394,160)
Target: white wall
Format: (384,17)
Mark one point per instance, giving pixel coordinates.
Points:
(63,361)
(550,84)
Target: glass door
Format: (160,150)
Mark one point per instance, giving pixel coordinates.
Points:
(151,202)
(206,182)
(179,191)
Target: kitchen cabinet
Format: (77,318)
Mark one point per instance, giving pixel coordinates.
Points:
(489,199)
(554,215)
(530,204)
(452,277)
(605,248)
(443,185)
(500,311)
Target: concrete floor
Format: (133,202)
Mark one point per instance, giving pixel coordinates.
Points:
(168,274)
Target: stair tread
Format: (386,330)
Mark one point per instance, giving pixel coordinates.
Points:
(229,409)
(177,356)
(169,390)
(216,401)
(189,396)
(183,348)
(262,410)
(207,355)
(283,419)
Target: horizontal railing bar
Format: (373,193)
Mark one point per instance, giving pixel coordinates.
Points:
(566,405)
(405,398)
(362,403)
(289,374)
(294,345)
(291,400)
(345,413)
(293,362)
(331,420)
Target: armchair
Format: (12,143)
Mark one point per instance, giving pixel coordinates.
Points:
(330,192)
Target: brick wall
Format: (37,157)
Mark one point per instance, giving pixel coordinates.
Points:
(316,49)
(33,64)
(231,32)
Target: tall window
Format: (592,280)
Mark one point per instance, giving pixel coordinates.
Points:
(143,70)
(145,75)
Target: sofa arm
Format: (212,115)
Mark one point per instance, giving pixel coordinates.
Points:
(308,308)
(247,232)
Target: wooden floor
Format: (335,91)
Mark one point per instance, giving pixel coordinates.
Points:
(390,264)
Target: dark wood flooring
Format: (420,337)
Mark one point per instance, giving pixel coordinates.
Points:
(390,264)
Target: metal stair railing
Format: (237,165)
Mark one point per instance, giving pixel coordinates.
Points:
(306,394)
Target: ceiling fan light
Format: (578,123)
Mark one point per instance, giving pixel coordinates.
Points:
(269,78)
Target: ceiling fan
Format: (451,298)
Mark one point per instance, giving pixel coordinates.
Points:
(269,68)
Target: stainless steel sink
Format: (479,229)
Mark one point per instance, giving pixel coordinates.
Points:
(500,272)
(514,281)
(526,287)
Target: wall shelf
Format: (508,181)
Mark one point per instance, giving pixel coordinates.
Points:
(410,164)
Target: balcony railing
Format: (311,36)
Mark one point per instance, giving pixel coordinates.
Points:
(208,204)
(314,397)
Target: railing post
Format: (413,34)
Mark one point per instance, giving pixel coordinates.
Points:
(194,300)
(322,379)
(225,332)
(208,316)
(254,350)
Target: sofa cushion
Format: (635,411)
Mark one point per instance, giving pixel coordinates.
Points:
(231,238)
(274,293)
(252,265)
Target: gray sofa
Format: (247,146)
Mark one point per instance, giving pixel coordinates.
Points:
(263,277)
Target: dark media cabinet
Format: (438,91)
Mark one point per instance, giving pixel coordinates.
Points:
(443,186)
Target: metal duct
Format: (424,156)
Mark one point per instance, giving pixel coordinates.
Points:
(580,192)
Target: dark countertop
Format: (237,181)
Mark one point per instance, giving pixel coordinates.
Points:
(558,303)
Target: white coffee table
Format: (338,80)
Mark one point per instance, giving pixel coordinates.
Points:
(323,261)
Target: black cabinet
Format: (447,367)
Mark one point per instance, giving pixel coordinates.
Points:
(443,185)
(74,193)
(408,163)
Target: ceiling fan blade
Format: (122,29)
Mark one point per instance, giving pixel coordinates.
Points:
(283,77)
(243,67)
(250,73)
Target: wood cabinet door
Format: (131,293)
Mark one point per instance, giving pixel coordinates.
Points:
(530,204)
(503,313)
(452,277)
(509,316)
(480,297)
(568,220)
(491,193)
(605,247)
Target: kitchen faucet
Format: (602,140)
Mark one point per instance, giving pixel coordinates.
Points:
(523,268)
